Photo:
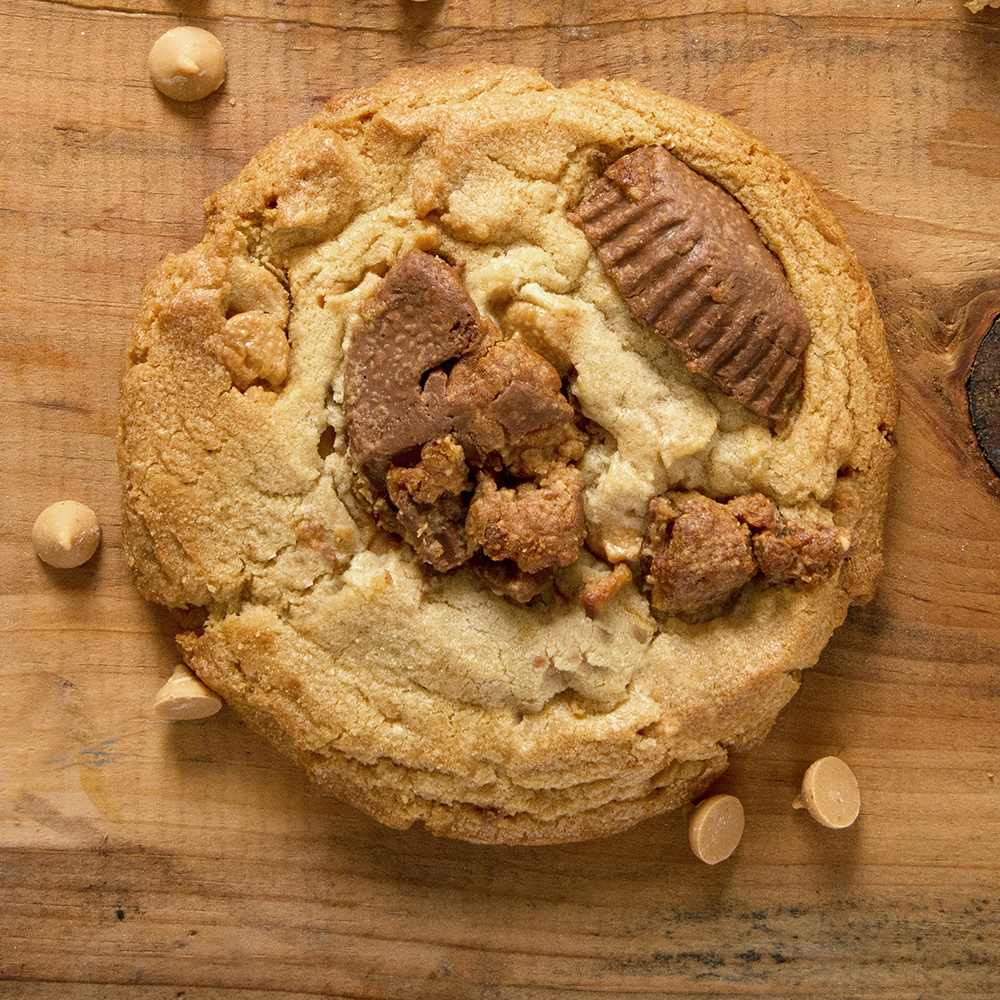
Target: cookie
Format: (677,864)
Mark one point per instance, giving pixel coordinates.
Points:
(508,450)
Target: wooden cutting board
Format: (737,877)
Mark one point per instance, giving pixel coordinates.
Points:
(146,859)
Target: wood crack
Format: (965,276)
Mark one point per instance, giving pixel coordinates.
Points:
(414,20)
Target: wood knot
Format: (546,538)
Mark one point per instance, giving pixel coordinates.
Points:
(983,391)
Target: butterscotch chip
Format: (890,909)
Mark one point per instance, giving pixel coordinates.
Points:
(594,594)
(66,534)
(716,828)
(187,63)
(830,793)
(480,551)
(185,697)
(254,349)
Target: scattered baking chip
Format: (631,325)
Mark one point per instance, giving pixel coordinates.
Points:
(715,828)
(66,534)
(184,696)
(830,793)
(187,63)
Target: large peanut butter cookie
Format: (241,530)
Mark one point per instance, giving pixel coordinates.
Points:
(512,449)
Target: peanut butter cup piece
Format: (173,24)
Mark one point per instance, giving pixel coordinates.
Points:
(463,439)
(699,553)
(430,509)
(505,579)
(689,262)
(420,317)
(535,525)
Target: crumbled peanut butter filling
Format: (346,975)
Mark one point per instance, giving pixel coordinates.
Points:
(699,553)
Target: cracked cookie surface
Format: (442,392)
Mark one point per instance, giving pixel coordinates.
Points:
(454,602)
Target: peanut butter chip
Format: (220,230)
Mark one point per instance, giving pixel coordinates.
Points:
(66,534)
(830,793)
(187,63)
(715,828)
(184,696)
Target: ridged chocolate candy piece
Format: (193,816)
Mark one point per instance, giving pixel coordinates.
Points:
(690,263)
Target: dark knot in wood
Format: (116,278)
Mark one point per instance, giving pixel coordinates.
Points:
(983,390)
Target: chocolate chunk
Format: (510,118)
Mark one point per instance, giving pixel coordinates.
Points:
(699,553)
(420,318)
(689,261)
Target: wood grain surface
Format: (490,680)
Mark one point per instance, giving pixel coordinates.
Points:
(145,859)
